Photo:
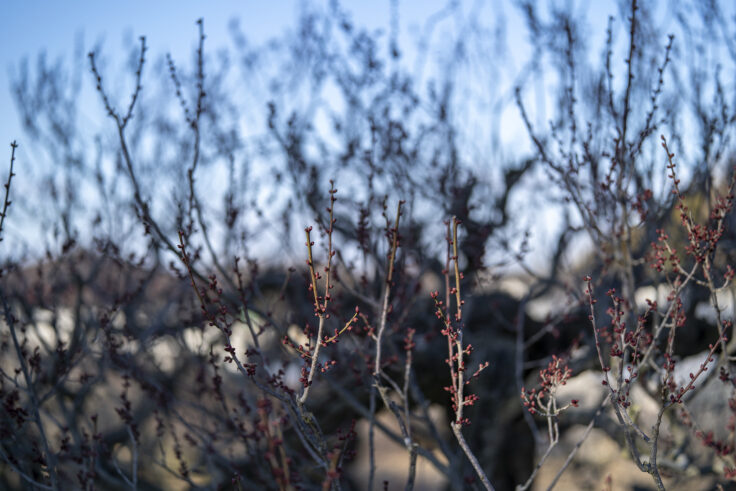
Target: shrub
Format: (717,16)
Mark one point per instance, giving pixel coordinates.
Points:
(164,340)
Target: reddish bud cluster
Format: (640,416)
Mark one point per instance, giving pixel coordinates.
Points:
(543,400)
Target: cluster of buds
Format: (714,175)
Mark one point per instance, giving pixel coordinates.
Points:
(544,399)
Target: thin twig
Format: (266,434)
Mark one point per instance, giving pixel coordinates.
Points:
(6,201)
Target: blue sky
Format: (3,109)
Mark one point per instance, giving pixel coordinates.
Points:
(30,27)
